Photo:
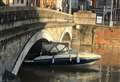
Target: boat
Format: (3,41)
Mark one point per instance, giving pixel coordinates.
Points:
(65,56)
(68,59)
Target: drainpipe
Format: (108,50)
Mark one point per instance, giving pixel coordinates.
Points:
(104,12)
(70,6)
(85,5)
(82,6)
(111,21)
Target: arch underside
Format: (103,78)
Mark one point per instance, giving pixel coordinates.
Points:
(66,37)
(33,47)
(34,41)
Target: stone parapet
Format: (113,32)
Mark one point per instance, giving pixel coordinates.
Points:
(53,15)
(85,17)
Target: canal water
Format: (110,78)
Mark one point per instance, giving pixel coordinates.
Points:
(107,70)
(29,73)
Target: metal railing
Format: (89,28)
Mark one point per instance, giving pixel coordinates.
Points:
(106,13)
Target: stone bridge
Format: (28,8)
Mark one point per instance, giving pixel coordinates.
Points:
(22,28)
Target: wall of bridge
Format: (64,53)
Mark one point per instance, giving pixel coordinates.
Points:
(59,32)
(103,40)
(53,15)
(20,29)
(11,48)
(107,43)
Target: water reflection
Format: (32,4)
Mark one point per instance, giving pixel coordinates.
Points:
(67,74)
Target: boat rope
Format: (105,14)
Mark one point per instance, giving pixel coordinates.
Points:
(78,59)
(53,60)
(70,57)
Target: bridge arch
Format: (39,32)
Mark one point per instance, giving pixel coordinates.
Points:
(66,36)
(39,35)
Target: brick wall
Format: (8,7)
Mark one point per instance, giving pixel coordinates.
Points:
(106,42)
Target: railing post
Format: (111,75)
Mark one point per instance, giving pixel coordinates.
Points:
(111,18)
(70,7)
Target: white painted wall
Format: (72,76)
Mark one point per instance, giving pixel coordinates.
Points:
(17,3)
(59,4)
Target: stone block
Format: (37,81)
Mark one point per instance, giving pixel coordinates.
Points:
(84,17)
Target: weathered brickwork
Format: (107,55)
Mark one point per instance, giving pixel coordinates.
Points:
(107,43)
(102,40)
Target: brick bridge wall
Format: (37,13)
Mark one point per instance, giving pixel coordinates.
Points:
(107,43)
(100,39)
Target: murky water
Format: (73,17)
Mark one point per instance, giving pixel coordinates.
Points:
(30,73)
(107,71)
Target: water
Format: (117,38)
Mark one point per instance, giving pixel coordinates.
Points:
(30,73)
(107,70)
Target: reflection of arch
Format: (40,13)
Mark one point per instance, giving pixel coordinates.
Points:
(35,38)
